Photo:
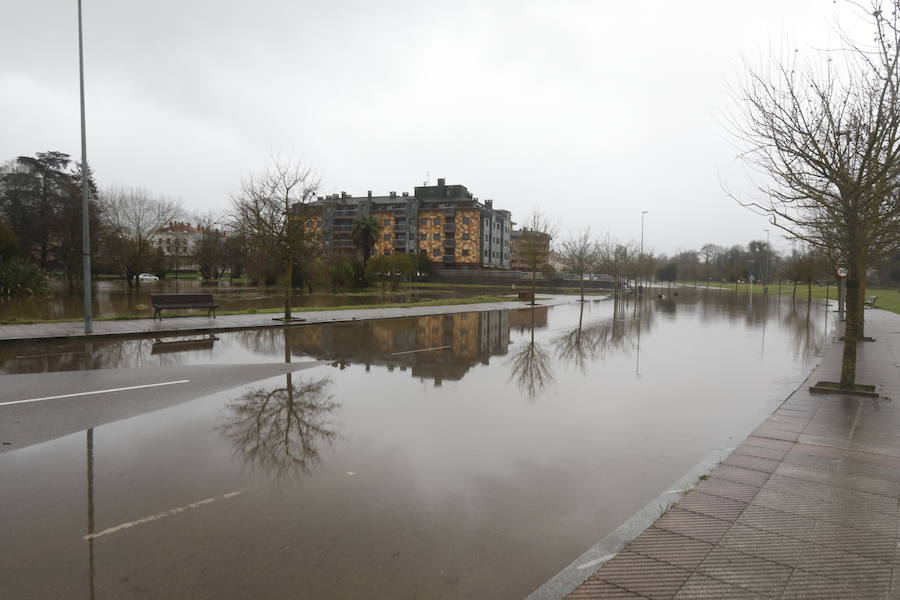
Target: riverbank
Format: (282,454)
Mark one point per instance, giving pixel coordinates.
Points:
(13,333)
(807,506)
(114,299)
(275,310)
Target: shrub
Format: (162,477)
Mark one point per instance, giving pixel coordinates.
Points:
(21,276)
(9,245)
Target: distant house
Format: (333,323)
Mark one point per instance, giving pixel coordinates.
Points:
(179,241)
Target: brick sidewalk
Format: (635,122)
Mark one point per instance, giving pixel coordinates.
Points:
(806,507)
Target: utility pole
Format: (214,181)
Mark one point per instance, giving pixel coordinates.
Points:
(641,259)
(85,190)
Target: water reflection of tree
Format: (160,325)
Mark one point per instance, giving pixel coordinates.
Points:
(573,346)
(601,340)
(806,335)
(281,430)
(530,366)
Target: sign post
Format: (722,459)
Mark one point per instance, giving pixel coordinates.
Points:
(842,272)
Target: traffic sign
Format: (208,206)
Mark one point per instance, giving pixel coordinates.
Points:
(841,271)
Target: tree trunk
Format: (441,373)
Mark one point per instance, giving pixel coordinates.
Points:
(287,290)
(861,299)
(851,330)
(533,276)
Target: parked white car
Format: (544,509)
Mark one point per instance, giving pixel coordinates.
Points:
(148,277)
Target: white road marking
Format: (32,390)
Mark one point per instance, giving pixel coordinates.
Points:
(164,514)
(422,350)
(109,391)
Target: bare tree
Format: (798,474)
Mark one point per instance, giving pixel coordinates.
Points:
(133,216)
(210,250)
(825,132)
(615,257)
(273,213)
(533,245)
(577,252)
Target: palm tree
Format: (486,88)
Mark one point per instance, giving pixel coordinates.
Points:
(366,230)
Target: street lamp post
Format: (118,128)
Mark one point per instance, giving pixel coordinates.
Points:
(85,189)
(641,258)
(766,271)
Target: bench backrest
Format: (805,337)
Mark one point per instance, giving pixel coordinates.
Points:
(160,299)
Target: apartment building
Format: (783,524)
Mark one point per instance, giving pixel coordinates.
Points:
(444,222)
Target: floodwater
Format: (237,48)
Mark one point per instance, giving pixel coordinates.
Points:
(111,298)
(460,456)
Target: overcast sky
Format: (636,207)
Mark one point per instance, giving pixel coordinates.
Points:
(593,110)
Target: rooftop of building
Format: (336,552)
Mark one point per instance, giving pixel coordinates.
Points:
(427,194)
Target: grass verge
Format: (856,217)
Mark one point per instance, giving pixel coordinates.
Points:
(888,299)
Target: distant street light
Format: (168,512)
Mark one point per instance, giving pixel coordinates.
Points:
(85,190)
(643,212)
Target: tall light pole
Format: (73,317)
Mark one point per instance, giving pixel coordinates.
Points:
(641,258)
(766,271)
(85,188)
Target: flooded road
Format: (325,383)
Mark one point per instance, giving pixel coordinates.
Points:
(469,455)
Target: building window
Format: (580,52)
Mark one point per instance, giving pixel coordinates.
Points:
(465,220)
(435,236)
(436,252)
(485,253)
(387,252)
(386,237)
(437,220)
(423,236)
(423,221)
(387,222)
(465,252)
(465,236)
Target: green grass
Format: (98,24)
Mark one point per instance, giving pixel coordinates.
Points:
(888,299)
(299,309)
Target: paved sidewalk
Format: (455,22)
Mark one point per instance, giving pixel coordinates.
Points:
(202,324)
(806,507)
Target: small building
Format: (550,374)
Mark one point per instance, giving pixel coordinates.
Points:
(521,253)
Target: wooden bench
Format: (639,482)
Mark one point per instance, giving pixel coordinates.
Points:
(161,302)
(870,303)
(528,296)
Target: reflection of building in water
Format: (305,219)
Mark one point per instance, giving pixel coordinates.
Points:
(436,347)
(521,319)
